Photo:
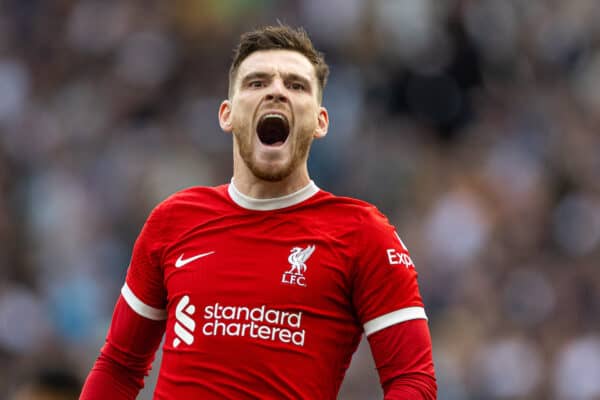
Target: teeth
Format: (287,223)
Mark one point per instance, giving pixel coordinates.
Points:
(274,116)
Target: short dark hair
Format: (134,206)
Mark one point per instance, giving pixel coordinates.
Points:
(280,37)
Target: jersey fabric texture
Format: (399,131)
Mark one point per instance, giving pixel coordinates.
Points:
(266,298)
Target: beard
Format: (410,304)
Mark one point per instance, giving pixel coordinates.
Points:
(270,173)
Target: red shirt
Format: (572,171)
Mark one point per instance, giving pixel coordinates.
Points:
(266,298)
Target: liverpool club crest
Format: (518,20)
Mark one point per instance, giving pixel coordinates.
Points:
(297,260)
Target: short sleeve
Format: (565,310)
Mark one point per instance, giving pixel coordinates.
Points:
(385,288)
(144,289)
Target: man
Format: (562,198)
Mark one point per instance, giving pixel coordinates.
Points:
(263,287)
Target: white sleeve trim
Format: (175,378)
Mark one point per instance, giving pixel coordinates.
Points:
(140,307)
(395,317)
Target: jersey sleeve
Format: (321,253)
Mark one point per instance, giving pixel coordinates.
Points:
(404,361)
(125,358)
(144,289)
(385,288)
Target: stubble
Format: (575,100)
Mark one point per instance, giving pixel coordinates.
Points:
(269,173)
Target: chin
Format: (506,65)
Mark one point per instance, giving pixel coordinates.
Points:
(271,173)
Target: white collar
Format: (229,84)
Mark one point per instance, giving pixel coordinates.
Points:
(274,203)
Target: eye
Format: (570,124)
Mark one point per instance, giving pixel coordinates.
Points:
(296,86)
(256,84)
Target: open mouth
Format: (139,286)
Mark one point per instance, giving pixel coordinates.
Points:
(273,129)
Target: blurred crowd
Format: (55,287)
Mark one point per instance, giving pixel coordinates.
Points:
(473,124)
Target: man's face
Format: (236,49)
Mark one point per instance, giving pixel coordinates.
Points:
(274,113)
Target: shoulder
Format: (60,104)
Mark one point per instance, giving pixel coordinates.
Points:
(196,193)
(351,209)
(193,198)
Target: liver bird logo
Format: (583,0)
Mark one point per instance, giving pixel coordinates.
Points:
(298,257)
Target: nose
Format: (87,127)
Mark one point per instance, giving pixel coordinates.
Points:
(277,91)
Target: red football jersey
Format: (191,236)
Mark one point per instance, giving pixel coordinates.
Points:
(266,298)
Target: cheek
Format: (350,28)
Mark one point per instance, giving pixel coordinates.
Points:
(243,110)
(241,116)
(309,119)
(307,111)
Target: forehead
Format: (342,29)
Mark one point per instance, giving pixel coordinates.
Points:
(277,61)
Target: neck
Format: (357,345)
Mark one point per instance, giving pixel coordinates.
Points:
(248,184)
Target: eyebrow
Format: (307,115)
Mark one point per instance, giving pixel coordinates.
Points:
(290,76)
(295,77)
(256,75)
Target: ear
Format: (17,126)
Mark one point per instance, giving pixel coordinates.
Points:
(322,123)
(225,120)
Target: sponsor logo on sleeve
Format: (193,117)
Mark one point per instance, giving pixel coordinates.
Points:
(396,257)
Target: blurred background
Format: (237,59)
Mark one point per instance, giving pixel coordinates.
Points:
(474,125)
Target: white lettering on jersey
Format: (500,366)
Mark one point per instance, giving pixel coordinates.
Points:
(257,322)
(397,258)
(184,324)
(297,260)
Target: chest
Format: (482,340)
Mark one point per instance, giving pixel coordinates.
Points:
(290,263)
